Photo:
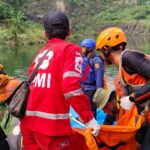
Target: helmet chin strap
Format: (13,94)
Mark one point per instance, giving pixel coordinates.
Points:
(87,52)
(106,52)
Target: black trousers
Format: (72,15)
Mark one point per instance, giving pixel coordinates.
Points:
(145,145)
(109,120)
(90,94)
(3,143)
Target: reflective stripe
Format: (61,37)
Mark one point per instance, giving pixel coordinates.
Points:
(73,93)
(47,115)
(71,74)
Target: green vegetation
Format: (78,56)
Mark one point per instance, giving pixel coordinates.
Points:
(20,24)
(133,16)
(15,26)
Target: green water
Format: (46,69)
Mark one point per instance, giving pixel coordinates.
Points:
(17,61)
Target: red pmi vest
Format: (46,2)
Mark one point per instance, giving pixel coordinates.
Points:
(48,103)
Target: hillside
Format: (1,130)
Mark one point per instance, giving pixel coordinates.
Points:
(88,17)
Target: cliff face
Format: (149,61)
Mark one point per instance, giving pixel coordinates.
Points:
(130,2)
(87,15)
(71,6)
(36,10)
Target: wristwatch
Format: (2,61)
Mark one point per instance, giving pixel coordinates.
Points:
(132,99)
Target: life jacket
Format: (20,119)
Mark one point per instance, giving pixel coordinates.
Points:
(86,67)
(105,83)
(7,87)
(118,137)
(125,84)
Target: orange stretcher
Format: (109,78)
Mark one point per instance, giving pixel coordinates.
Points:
(118,137)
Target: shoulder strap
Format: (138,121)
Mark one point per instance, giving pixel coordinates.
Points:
(87,68)
(89,61)
(37,66)
(120,69)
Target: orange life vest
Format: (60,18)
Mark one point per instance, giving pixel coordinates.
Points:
(105,83)
(86,74)
(123,79)
(8,88)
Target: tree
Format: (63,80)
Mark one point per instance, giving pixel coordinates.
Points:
(17,24)
(11,13)
(17,4)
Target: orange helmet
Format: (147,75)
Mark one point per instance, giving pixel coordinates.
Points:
(111,37)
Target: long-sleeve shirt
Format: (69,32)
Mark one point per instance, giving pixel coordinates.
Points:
(94,76)
(134,62)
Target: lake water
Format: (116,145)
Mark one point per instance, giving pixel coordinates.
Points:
(17,61)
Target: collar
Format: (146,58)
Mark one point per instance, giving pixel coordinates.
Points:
(53,40)
(93,55)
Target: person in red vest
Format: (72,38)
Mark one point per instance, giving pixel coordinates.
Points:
(133,80)
(46,125)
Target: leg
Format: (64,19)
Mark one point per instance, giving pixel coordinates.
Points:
(36,141)
(29,142)
(146,141)
(68,142)
(3,143)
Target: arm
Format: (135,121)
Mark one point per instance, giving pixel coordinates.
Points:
(99,72)
(71,83)
(134,62)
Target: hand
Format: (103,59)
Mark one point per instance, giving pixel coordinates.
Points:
(125,103)
(95,126)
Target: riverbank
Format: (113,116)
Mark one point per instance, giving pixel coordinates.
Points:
(88,19)
(34,34)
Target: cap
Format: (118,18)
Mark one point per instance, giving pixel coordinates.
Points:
(55,19)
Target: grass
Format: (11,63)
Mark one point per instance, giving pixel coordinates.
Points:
(91,25)
(88,18)
(34,34)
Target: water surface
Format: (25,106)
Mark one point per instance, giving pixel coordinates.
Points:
(17,61)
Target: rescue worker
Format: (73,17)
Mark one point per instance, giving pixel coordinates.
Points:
(46,125)
(106,100)
(92,71)
(134,74)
